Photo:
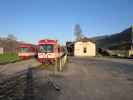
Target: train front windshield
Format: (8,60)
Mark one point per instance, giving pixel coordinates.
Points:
(48,48)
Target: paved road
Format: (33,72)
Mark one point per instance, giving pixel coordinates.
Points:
(91,79)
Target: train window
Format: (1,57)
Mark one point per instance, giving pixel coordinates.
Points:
(24,49)
(46,48)
(49,48)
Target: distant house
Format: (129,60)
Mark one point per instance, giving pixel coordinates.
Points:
(8,45)
(1,50)
(84,47)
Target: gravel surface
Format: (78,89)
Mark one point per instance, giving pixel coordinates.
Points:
(90,79)
(18,66)
(82,79)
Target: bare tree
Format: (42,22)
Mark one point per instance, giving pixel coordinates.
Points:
(11,44)
(11,37)
(78,32)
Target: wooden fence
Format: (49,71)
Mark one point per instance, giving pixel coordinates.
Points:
(60,62)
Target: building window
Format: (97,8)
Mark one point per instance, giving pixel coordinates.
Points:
(85,50)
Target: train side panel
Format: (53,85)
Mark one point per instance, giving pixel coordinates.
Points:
(26,51)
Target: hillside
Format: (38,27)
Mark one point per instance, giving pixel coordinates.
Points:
(115,40)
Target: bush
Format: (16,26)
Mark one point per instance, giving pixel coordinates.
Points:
(103,52)
(8,57)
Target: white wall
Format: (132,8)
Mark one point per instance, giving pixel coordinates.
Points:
(79,46)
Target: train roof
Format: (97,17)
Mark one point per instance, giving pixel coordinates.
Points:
(26,45)
(47,41)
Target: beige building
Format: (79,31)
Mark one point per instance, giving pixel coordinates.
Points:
(84,47)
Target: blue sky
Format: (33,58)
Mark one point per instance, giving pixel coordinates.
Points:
(31,20)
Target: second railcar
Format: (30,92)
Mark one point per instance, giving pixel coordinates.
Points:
(26,51)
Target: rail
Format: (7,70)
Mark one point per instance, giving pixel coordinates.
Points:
(21,85)
(17,87)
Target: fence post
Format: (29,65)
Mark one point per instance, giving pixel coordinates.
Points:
(56,66)
(60,64)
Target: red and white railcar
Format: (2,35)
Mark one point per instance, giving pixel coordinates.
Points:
(48,50)
(26,51)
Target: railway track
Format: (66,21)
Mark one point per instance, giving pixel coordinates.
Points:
(17,86)
(22,85)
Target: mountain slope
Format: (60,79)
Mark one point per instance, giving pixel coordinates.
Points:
(117,39)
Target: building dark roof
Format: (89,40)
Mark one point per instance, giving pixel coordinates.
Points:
(69,43)
(85,39)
